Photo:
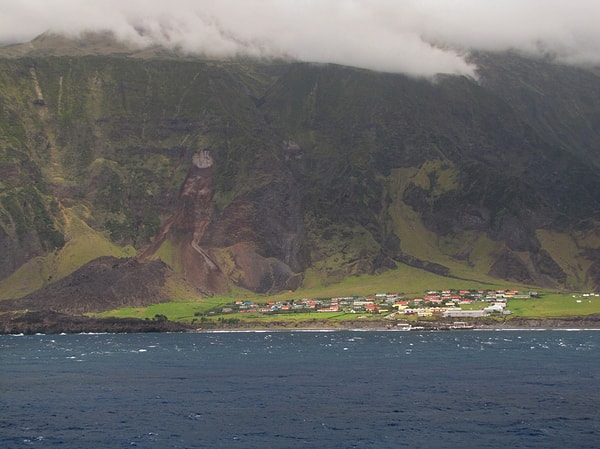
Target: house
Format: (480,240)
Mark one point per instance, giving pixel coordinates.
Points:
(331,308)
(457,313)
(372,307)
(497,307)
(401,305)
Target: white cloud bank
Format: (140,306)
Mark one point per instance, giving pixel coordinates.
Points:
(416,37)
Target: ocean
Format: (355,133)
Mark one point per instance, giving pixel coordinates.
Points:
(328,389)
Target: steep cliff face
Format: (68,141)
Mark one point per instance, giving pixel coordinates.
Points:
(250,242)
(466,157)
(274,176)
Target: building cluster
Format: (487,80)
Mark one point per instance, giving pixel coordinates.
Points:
(446,303)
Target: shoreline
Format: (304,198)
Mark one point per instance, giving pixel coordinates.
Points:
(50,322)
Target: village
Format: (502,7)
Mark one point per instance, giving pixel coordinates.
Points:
(434,303)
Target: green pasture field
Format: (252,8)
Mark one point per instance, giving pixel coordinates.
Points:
(555,305)
(174,311)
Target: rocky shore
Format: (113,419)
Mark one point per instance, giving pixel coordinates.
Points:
(47,322)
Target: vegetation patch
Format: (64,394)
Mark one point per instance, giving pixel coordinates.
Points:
(83,245)
(553,305)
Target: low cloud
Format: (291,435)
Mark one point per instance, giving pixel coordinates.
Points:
(416,37)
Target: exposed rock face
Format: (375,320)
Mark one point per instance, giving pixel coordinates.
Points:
(248,269)
(547,266)
(49,322)
(510,267)
(186,227)
(252,242)
(15,252)
(203,159)
(258,237)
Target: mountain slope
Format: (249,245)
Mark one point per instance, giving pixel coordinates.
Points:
(271,176)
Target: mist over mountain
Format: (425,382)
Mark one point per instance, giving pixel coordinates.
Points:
(417,38)
(272,175)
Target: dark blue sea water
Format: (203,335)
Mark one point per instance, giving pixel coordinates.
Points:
(469,389)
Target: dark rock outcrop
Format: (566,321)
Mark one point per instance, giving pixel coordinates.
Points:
(103,284)
(48,322)
(510,267)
